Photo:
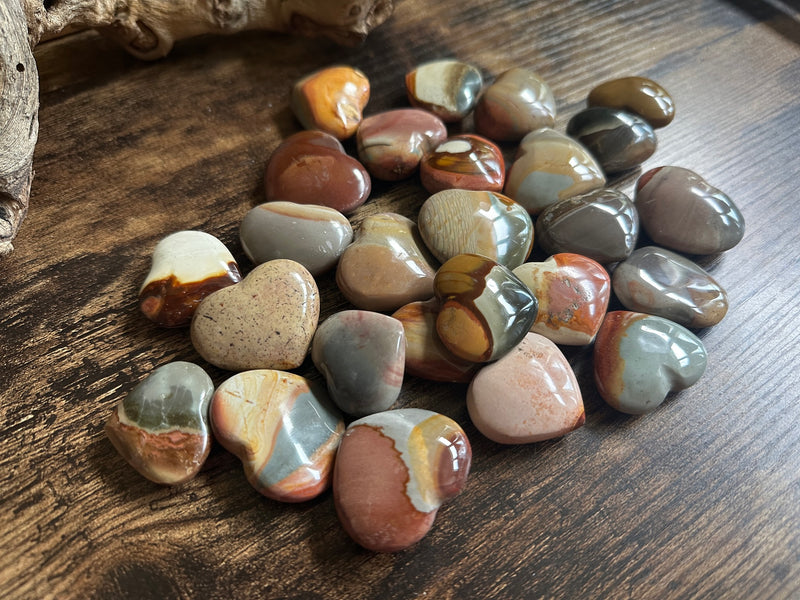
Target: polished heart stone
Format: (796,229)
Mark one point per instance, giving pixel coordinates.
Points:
(454,222)
(549,167)
(529,395)
(447,88)
(426,356)
(618,140)
(518,102)
(681,211)
(392,144)
(468,162)
(573,293)
(331,100)
(266,321)
(362,355)
(659,282)
(393,471)
(639,359)
(161,426)
(638,95)
(485,309)
(315,236)
(387,265)
(186,267)
(311,167)
(602,225)
(283,428)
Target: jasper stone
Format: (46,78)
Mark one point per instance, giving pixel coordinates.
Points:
(485,309)
(683,212)
(331,100)
(618,140)
(447,88)
(638,95)
(387,265)
(266,321)
(284,430)
(529,395)
(315,236)
(467,162)
(573,293)
(186,267)
(659,282)
(362,357)
(454,222)
(161,426)
(393,471)
(426,355)
(602,225)
(518,102)
(549,167)
(639,359)
(391,144)
(311,167)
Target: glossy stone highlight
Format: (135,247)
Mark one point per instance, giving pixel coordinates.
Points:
(186,267)
(447,88)
(283,429)
(639,95)
(467,162)
(659,282)
(639,359)
(454,222)
(161,426)
(393,471)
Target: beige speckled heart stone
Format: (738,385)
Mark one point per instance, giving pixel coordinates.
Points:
(266,321)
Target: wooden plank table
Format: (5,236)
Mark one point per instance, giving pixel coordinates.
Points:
(698,499)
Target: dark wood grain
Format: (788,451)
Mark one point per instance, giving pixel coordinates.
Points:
(698,499)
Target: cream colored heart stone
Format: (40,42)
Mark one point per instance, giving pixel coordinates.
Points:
(266,321)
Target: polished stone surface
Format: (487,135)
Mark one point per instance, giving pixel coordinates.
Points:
(639,359)
(467,162)
(660,282)
(681,211)
(529,395)
(161,426)
(638,95)
(454,222)
(447,88)
(393,471)
(186,267)
(284,430)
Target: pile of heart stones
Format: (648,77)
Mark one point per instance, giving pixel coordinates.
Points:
(449,297)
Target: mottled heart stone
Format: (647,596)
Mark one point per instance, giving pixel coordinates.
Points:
(311,167)
(387,265)
(485,309)
(549,167)
(186,267)
(573,293)
(518,102)
(617,139)
(638,95)
(529,395)
(680,210)
(331,100)
(315,236)
(454,222)
(161,426)
(266,321)
(392,144)
(393,471)
(426,355)
(659,282)
(362,355)
(602,224)
(284,430)
(447,88)
(639,359)
(467,162)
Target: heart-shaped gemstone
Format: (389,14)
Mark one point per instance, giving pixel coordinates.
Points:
(266,321)
(466,162)
(447,88)
(638,95)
